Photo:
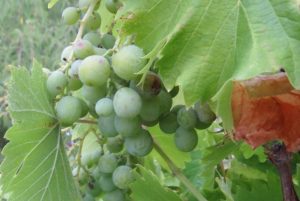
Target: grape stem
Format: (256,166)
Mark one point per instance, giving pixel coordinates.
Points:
(176,171)
(86,121)
(281,159)
(79,155)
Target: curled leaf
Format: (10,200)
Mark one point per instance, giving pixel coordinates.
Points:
(267,108)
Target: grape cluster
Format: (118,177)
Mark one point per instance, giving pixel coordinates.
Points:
(100,79)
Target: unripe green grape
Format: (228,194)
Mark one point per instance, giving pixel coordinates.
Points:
(74,84)
(84,4)
(150,123)
(113,5)
(94,188)
(122,177)
(93,37)
(106,183)
(73,71)
(168,123)
(205,115)
(70,15)
(108,163)
(66,54)
(88,197)
(127,103)
(104,107)
(68,110)
(82,49)
(150,109)
(185,139)
(187,118)
(93,94)
(174,91)
(90,159)
(127,126)
(115,195)
(99,51)
(93,22)
(84,108)
(56,83)
(106,126)
(96,173)
(115,144)
(165,101)
(139,145)
(128,61)
(108,41)
(94,71)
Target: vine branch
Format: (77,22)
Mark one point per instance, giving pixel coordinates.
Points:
(176,171)
(281,159)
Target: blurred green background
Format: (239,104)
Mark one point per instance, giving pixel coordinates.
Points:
(28,30)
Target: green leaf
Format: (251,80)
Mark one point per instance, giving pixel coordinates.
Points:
(201,170)
(218,41)
(52,3)
(146,187)
(153,20)
(35,165)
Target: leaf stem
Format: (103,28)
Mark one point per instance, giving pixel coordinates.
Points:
(176,171)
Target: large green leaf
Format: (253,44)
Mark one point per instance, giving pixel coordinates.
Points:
(218,41)
(146,187)
(35,165)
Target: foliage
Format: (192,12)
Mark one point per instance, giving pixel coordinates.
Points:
(195,47)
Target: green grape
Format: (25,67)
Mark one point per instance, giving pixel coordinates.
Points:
(127,126)
(127,103)
(106,126)
(82,49)
(70,15)
(187,118)
(115,144)
(104,107)
(73,71)
(168,123)
(94,188)
(174,91)
(93,37)
(113,5)
(66,54)
(68,110)
(94,71)
(106,183)
(150,109)
(128,61)
(122,176)
(84,4)
(108,41)
(56,83)
(99,51)
(90,159)
(185,139)
(108,163)
(74,84)
(205,115)
(150,123)
(88,197)
(93,94)
(116,195)
(93,22)
(176,108)
(96,173)
(165,100)
(139,145)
